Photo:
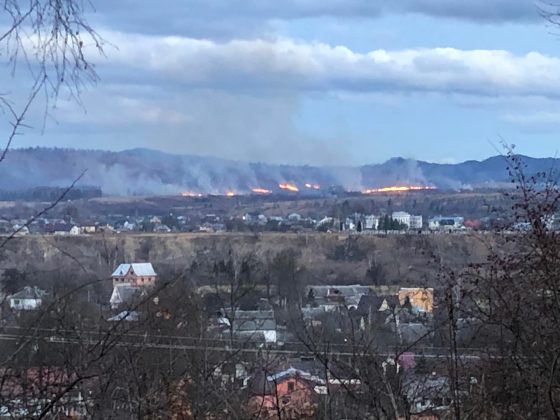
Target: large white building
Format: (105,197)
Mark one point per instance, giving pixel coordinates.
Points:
(372,222)
(402,217)
(411,221)
(415,222)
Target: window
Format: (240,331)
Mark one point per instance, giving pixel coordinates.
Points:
(291,386)
(16,301)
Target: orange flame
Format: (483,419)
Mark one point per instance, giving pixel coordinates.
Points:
(261,191)
(399,188)
(289,187)
(190,194)
(230,194)
(313,186)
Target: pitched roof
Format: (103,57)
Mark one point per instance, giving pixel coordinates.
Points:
(140,269)
(29,292)
(124,316)
(370,302)
(265,384)
(253,320)
(123,292)
(342,290)
(254,325)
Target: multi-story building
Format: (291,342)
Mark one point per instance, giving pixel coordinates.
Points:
(135,274)
(402,217)
(411,221)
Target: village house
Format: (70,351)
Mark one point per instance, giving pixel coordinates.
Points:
(131,280)
(421,299)
(21,230)
(446,223)
(135,274)
(411,221)
(62,229)
(297,388)
(375,309)
(371,222)
(28,299)
(259,326)
(162,229)
(123,293)
(289,391)
(336,298)
(294,217)
(129,316)
(88,228)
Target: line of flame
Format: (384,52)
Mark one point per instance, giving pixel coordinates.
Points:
(313,186)
(191,194)
(399,188)
(261,191)
(289,187)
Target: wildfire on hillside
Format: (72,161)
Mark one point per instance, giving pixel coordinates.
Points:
(312,186)
(261,191)
(399,188)
(230,194)
(190,194)
(289,187)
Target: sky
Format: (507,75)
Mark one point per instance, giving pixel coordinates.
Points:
(344,82)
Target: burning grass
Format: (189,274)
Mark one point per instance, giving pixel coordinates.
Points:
(399,188)
(288,187)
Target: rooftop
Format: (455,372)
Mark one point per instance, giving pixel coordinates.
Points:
(29,292)
(139,269)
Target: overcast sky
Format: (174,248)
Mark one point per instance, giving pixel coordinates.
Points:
(318,81)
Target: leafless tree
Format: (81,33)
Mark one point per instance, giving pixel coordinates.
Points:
(513,299)
(46,44)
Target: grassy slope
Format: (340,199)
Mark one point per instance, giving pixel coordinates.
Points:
(326,258)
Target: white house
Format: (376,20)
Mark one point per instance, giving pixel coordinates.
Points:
(294,217)
(372,222)
(21,230)
(443,222)
(411,221)
(402,217)
(88,228)
(123,293)
(130,316)
(416,222)
(28,299)
(251,325)
(129,226)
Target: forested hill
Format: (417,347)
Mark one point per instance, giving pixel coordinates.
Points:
(143,171)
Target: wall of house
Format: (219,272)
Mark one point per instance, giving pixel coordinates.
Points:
(135,280)
(25,304)
(421,299)
(299,396)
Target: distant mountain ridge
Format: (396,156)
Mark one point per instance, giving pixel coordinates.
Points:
(152,172)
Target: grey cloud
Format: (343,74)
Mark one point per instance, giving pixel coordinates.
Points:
(239,18)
